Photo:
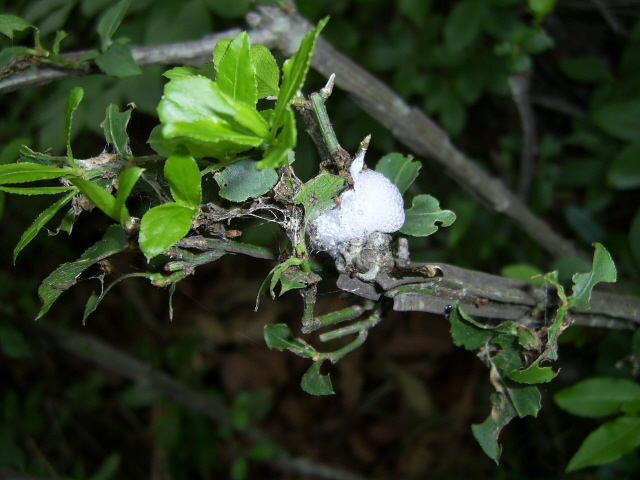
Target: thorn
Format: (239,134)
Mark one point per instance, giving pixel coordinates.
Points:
(328,88)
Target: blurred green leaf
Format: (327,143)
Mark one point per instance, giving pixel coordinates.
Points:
(118,61)
(183,175)
(60,35)
(523,271)
(422,218)
(401,170)
(624,171)
(585,69)
(315,383)
(634,241)
(462,26)
(242,180)
(12,342)
(235,72)
(541,8)
(110,22)
(619,118)
(115,130)
(164,225)
(604,270)
(227,9)
(597,397)
(40,222)
(607,443)
(583,224)
(12,23)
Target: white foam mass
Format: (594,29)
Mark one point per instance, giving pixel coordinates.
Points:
(374,205)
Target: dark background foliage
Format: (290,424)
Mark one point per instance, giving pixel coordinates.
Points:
(405,401)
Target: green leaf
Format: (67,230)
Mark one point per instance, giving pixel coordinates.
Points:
(487,434)
(421,218)
(242,180)
(607,443)
(60,35)
(525,398)
(98,196)
(31,172)
(619,118)
(315,383)
(277,153)
(126,181)
(267,71)
(585,69)
(183,175)
(597,397)
(604,270)
(634,242)
(90,307)
(115,130)
(534,373)
(523,271)
(13,343)
(66,275)
(220,49)
(118,61)
(279,337)
(40,222)
(294,279)
(318,193)
(10,24)
(235,72)
(73,100)
(624,172)
(110,22)
(294,73)
(164,225)
(541,8)
(463,25)
(464,333)
(401,170)
(196,113)
(37,190)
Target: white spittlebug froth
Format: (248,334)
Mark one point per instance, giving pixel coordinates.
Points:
(374,205)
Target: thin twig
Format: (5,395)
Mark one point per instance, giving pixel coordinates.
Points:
(519,85)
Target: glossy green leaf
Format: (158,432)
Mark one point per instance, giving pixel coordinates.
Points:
(235,72)
(73,100)
(196,113)
(279,337)
(620,119)
(164,225)
(464,333)
(267,71)
(294,73)
(40,222)
(183,175)
(534,373)
(36,190)
(604,270)
(110,22)
(314,383)
(401,170)
(624,172)
(118,61)
(634,242)
(422,218)
(607,443)
(242,180)
(597,397)
(30,172)
(10,24)
(126,181)
(66,275)
(98,196)
(115,130)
